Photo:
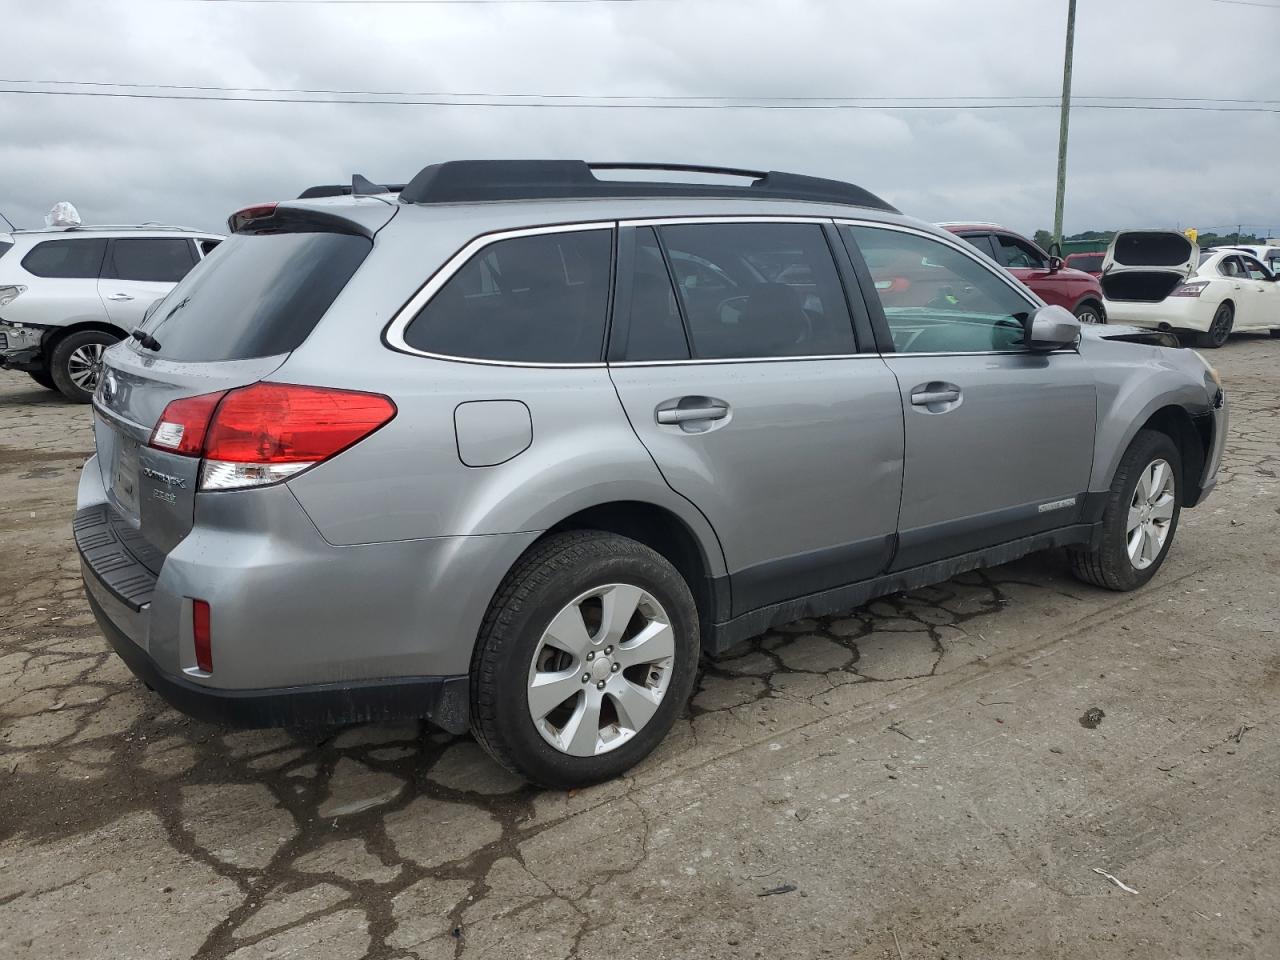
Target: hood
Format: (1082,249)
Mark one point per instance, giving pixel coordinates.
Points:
(1126,334)
(1151,251)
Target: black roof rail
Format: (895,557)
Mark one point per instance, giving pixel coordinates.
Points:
(470,181)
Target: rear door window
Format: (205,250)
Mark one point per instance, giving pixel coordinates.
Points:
(153,259)
(753,290)
(79,258)
(535,299)
(1255,270)
(255,296)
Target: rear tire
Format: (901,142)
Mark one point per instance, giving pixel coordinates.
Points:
(1219,330)
(582,579)
(1090,313)
(42,378)
(76,361)
(1134,511)
(1275,332)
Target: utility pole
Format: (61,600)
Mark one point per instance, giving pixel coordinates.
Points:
(1065,123)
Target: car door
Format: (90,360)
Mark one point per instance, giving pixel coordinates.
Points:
(139,270)
(734,355)
(998,440)
(1258,288)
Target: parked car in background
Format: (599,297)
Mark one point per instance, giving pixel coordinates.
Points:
(1160,279)
(509,450)
(1268,253)
(1090,263)
(68,293)
(1046,275)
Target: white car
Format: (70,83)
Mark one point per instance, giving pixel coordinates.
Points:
(68,293)
(1160,279)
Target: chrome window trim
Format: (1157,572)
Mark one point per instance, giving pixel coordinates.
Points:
(394,333)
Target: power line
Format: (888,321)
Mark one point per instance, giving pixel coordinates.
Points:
(419,3)
(609,98)
(1251,3)
(645,106)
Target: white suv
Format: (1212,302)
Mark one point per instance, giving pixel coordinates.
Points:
(67,293)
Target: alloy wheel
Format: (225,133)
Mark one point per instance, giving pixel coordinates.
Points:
(601,669)
(85,365)
(1150,514)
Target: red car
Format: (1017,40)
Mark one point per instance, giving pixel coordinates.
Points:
(1047,276)
(1090,263)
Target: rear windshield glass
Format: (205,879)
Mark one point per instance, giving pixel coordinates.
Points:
(255,295)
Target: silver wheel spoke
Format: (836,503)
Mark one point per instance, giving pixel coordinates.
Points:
(635,704)
(568,632)
(577,665)
(549,690)
(1150,544)
(657,641)
(619,604)
(1135,544)
(581,735)
(1135,519)
(1156,484)
(1143,492)
(1162,509)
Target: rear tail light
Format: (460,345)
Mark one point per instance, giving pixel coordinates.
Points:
(10,293)
(259,211)
(201,634)
(267,432)
(1190,289)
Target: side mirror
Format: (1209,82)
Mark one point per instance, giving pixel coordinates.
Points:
(1051,328)
(1055,264)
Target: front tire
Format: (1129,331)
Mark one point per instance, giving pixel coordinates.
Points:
(586,656)
(42,378)
(1219,329)
(1140,519)
(1090,313)
(76,363)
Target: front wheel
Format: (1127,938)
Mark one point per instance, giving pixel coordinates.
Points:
(1140,518)
(585,658)
(1090,313)
(76,363)
(1219,329)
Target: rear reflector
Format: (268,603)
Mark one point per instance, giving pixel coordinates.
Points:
(267,432)
(200,631)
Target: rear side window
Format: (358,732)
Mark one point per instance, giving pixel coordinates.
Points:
(255,295)
(538,299)
(758,290)
(74,259)
(206,246)
(5,246)
(156,259)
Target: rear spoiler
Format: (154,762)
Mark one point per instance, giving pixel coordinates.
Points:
(358,187)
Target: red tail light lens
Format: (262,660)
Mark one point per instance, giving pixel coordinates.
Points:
(183,424)
(259,211)
(201,633)
(1190,289)
(268,431)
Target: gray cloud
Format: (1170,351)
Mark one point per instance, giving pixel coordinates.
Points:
(192,163)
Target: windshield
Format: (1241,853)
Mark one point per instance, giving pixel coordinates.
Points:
(254,296)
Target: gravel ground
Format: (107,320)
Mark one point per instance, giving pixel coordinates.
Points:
(939,774)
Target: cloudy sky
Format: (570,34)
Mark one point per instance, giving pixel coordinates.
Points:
(129,160)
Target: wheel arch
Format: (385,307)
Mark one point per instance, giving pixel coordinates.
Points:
(59,334)
(1093,300)
(664,531)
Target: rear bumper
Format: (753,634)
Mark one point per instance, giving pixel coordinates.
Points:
(442,700)
(1171,313)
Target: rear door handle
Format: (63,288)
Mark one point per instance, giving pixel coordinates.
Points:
(119,296)
(686,414)
(926,397)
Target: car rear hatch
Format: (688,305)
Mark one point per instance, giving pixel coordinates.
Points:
(230,323)
(1147,265)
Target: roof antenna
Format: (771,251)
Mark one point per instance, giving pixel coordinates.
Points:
(363,187)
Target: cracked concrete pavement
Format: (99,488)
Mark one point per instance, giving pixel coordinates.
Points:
(916,770)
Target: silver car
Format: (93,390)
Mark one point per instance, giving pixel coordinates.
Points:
(510,448)
(68,293)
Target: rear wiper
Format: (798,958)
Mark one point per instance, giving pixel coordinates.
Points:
(145,340)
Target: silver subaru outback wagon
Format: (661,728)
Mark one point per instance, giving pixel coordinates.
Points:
(509,447)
